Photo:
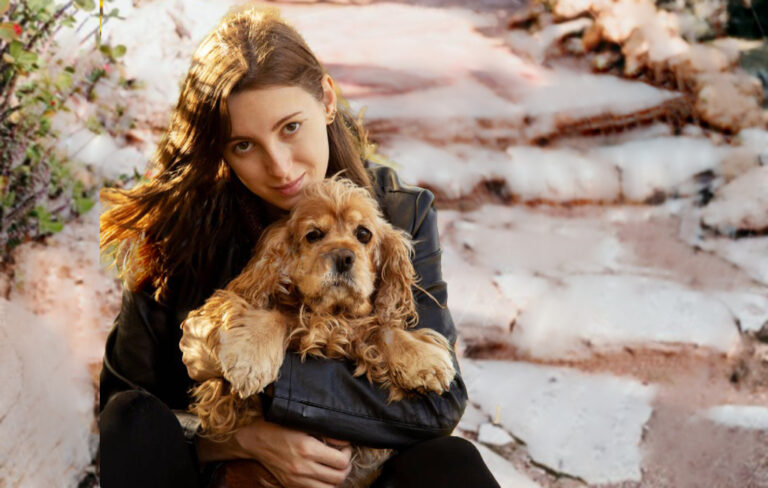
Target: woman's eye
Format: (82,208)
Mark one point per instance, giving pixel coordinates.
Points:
(314,235)
(296,126)
(363,235)
(241,147)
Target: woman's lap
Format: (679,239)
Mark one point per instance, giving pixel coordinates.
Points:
(142,444)
(445,462)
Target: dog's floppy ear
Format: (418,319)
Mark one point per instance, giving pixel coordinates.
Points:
(394,298)
(268,272)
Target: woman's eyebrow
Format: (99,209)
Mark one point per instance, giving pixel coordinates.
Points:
(277,124)
(284,119)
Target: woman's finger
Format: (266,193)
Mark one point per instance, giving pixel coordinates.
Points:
(332,457)
(335,442)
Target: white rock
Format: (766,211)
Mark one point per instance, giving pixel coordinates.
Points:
(46,406)
(751,417)
(493,435)
(124,161)
(529,173)
(750,254)
(753,138)
(560,175)
(162,59)
(591,313)
(472,418)
(88,147)
(535,240)
(505,473)
(580,424)
(447,85)
(741,204)
(454,169)
(521,288)
(750,307)
(473,299)
(64,283)
(461,100)
(566,94)
(665,164)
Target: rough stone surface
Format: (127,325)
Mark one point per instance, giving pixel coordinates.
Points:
(585,425)
(494,435)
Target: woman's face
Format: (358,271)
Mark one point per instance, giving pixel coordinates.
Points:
(279,142)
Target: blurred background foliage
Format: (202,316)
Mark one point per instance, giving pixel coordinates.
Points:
(38,83)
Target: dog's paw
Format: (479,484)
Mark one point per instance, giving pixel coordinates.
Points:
(423,365)
(248,363)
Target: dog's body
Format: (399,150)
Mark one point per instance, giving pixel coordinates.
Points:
(331,280)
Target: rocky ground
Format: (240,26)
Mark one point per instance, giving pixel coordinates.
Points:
(610,285)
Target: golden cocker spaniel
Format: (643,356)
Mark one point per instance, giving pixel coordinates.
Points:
(333,279)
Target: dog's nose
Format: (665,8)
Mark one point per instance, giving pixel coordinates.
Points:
(343,259)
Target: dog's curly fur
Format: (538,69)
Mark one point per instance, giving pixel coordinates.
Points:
(332,280)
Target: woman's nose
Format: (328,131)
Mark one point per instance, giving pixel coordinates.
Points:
(279,161)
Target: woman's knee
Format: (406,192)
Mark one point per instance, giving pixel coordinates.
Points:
(448,449)
(143,444)
(445,461)
(128,411)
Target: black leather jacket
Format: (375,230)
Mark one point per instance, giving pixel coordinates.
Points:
(317,396)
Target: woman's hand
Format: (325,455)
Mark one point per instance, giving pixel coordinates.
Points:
(295,458)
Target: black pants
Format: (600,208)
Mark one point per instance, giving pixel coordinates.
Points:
(142,444)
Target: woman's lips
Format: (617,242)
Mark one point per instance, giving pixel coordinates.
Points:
(291,188)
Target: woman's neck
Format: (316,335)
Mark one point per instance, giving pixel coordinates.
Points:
(273,213)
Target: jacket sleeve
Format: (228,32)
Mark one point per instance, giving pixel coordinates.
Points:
(142,353)
(322,396)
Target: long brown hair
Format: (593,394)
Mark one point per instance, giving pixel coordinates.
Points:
(176,222)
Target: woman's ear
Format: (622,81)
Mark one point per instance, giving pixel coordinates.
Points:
(329,96)
(268,272)
(394,303)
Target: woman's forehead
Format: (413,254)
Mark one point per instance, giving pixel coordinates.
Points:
(272,105)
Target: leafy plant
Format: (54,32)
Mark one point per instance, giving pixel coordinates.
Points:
(37,190)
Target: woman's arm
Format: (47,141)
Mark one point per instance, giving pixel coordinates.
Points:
(142,353)
(324,397)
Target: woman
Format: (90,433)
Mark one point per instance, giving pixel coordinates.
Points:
(257,121)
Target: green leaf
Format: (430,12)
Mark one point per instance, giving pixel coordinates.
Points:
(49,226)
(4,6)
(9,198)
(7,33)
(33,153)
(118,51)
(93,124)
(45,222)
(37,5)
(68,21)
(86,5)
(82,204)
(63,81)
(94,75)
(45,125)
(27,57)
(16,49)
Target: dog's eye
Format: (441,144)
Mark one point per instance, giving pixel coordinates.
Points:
(314,235)
(363,235)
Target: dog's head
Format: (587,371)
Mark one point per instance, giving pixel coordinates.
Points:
(338,252)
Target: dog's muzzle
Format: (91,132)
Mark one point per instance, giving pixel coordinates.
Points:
(343,260)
